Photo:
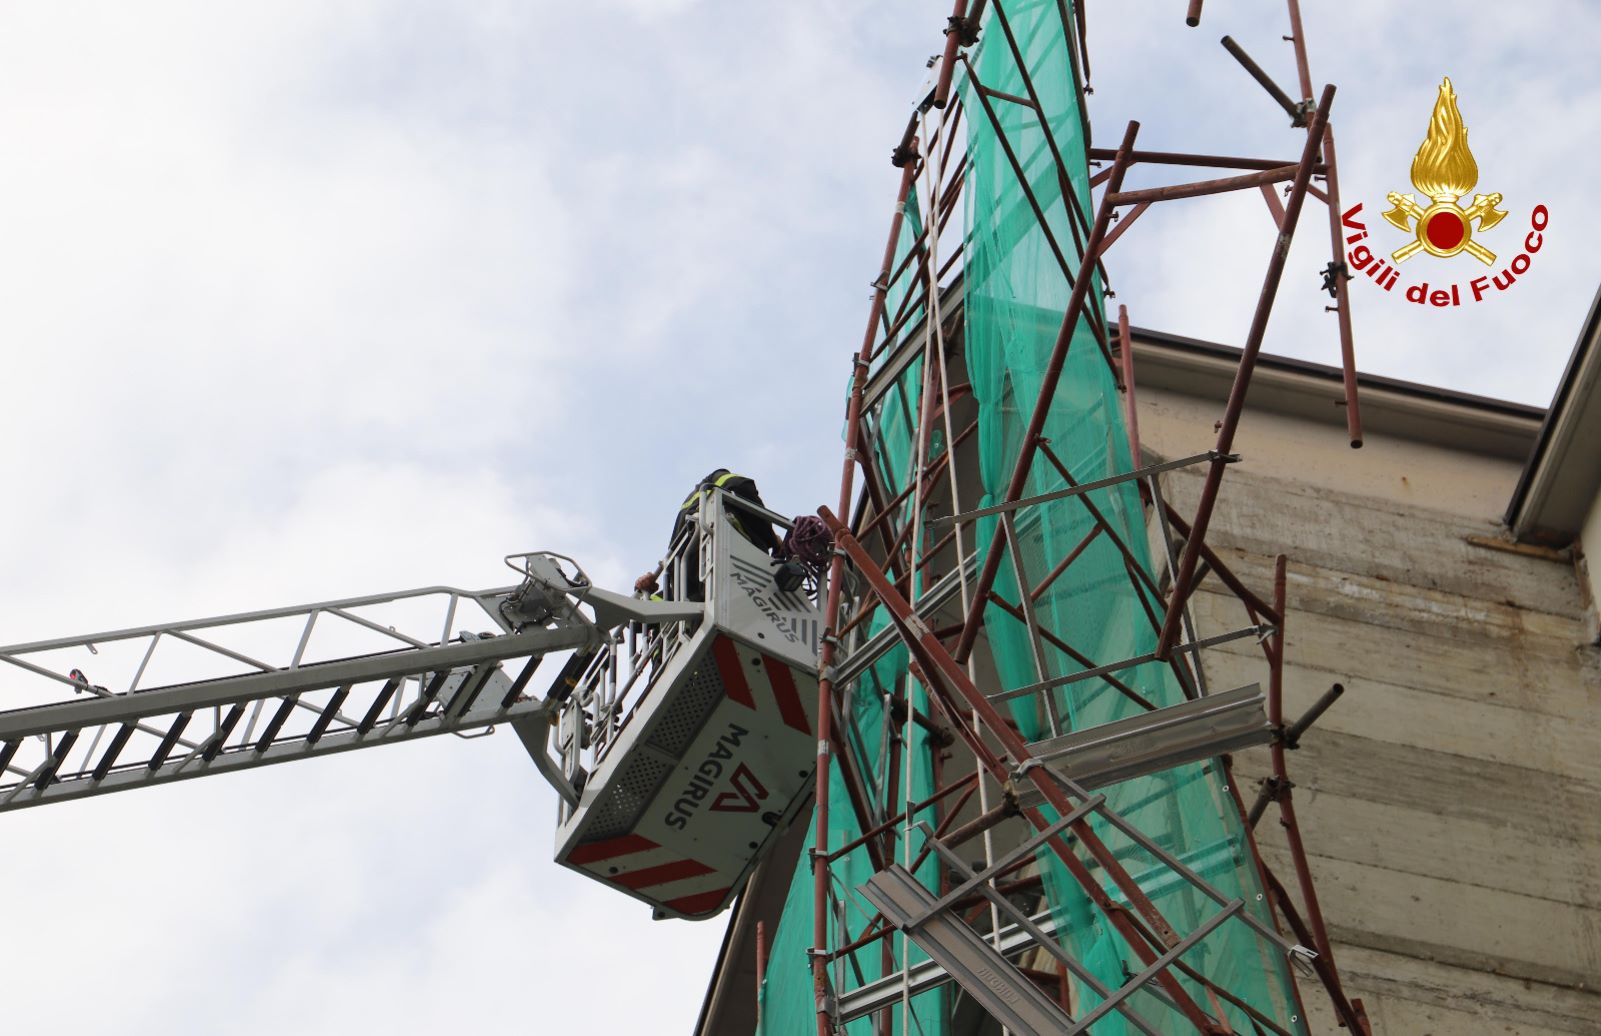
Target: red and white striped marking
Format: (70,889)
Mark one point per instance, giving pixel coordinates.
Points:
(644,867)
(780,684)
(650,866)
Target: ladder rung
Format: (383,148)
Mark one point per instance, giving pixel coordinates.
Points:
(427,697)
(62,748)
(279,718)
(221,736)
(107,761)
(169,739)
(378,703)
(321,726)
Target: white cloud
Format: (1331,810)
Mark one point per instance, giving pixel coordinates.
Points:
(323,299)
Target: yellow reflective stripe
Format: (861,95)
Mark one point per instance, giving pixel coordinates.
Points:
(694,497)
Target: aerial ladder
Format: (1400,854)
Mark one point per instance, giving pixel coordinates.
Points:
(678,733)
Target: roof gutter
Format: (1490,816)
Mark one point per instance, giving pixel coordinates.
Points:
(1578,397)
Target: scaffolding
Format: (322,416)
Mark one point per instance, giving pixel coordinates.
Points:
(1025,809)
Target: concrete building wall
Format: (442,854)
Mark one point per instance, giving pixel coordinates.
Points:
(1590,562)
(1452,799)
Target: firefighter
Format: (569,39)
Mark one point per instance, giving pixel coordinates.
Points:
(758,530)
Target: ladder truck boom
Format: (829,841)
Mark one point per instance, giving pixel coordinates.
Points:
(682,729)
(99,717)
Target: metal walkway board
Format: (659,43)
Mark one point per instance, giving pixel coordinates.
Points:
(989,978)
(927,974)
(1151,742)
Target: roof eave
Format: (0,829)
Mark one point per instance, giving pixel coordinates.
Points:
(1562,477)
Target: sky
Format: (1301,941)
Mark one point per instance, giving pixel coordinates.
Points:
(306,300)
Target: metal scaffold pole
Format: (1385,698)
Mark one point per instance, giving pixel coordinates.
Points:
(970,715)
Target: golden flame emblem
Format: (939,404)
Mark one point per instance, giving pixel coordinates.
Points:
(1444,171)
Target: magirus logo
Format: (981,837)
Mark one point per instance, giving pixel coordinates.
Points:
(1444,172)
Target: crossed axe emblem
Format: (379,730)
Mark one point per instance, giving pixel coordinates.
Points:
(1444,228)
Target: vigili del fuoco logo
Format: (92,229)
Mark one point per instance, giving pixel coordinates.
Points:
(1444,171)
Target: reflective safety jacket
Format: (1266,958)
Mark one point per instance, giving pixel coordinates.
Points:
(757,530)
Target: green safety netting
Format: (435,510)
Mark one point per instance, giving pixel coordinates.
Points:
(787,1000)
(1015,292)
